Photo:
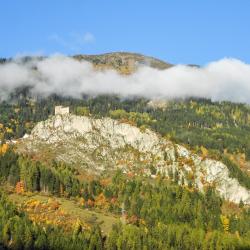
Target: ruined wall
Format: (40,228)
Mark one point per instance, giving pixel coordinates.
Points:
(60,110)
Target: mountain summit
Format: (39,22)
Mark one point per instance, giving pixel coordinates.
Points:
(123,62)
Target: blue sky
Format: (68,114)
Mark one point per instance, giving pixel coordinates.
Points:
(187,31)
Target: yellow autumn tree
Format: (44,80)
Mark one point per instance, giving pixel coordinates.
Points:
(204,152)
(225,223)
(9,130)
(77,227)
(3,149)
(101,201)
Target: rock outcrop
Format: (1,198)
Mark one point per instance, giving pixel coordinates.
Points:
(104,144)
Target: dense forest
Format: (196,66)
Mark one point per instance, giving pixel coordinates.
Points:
(153,213)
(18,232)
(213,129)
(218,126)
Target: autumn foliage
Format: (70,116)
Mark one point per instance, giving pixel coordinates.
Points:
(3,149)
(20,187)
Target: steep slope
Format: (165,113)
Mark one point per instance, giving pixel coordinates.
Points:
(104,144)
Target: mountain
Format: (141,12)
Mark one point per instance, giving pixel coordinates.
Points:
(123,62)
(102,145)
(99,178)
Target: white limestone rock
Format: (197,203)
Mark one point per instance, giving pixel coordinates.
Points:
(101,144)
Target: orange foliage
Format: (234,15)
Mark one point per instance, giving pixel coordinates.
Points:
(3,149)
(130,174)
(124,120)
(50,212)
(101,201)
(113,200)
(133,219)
(54,205)
(105,182)
(20,187)
(90,203)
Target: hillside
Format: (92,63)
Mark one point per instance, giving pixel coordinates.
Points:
(128,173)
(98,145)
(87,179)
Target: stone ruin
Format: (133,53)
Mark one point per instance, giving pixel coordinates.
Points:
(60,110)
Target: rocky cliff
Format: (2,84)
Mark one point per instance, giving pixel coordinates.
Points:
(99,145)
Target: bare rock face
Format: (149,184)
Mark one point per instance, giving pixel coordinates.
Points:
(105,144)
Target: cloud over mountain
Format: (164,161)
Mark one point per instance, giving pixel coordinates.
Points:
(226,79)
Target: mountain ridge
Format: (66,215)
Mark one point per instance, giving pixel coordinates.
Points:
(123,62)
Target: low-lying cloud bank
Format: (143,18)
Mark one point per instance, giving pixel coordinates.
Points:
(227,79)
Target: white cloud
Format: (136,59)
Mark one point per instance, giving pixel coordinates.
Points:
(227,79)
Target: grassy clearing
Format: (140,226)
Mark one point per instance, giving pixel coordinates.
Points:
(73,209)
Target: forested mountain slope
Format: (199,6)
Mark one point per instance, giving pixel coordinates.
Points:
(104,144)
(138,173)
